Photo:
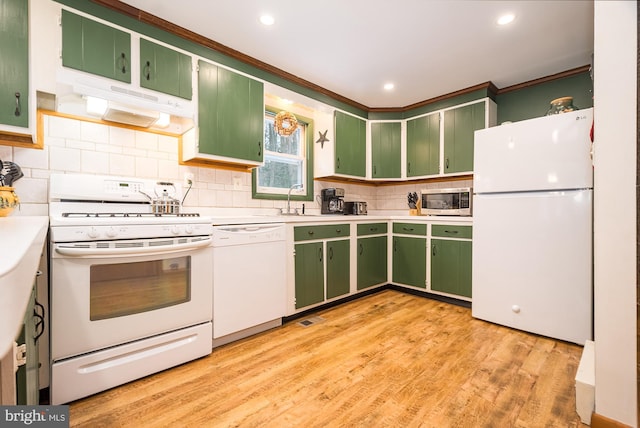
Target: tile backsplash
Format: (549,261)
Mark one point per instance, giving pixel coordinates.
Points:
(76,146)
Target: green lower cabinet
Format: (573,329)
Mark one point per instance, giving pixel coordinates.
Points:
(372,261)
(410,261)
(309,274)
(451,266)
(337,268)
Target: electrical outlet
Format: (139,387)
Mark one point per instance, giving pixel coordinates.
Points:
(237,183)
(188,179)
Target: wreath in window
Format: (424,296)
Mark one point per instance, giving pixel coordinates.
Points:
(285,123)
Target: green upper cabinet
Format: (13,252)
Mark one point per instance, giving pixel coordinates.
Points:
(423,145)
(350,145)
(459,125)
(230,114)
(385,149)
(96,48)
(165,70)
(14,64)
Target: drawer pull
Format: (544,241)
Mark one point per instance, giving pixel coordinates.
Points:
(310,232)
(338,230)
(451,231)
(408,229)
(373,229)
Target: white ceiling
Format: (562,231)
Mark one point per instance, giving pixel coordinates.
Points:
(426,48)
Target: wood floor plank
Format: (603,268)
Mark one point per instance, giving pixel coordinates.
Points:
(386,360)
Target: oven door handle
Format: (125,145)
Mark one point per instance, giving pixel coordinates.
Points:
(139,251)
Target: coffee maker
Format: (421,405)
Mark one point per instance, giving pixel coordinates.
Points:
(332,201)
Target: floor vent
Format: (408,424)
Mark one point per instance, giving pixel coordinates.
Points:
(311,321)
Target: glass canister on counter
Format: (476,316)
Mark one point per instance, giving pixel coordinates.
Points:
(561,105)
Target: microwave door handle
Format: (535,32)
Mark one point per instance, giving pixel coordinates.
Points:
(138,251)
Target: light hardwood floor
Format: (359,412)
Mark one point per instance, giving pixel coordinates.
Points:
(387,360)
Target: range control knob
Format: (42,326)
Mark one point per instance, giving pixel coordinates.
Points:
(175,230)
(112,233)
(92,233)
(188,229)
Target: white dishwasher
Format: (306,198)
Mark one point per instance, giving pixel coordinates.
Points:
(249,280)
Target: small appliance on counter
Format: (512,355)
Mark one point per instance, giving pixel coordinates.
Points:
(355,208)
(446,202)
(332,200)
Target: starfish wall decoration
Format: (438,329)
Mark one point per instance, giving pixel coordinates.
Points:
(322,138)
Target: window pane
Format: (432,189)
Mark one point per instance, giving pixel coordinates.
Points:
(280,173)
(274,142)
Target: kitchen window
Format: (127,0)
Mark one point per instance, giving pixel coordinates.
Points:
(288,160)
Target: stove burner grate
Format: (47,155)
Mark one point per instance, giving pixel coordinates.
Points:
(124,215)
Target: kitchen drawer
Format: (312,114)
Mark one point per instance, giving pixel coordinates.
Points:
(410,228)
(451,231)
(372,229)
(306,233)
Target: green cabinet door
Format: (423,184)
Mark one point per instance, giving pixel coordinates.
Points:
(14,64)
(459,125)
(451,266)
(410,261)
(96,48)
(165,70)
(337,268)
(372,261)
(230,114)
(309,274)
(350,145)
(385,149)
(423,145)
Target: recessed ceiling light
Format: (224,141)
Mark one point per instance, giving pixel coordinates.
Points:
(267,19)
(388,86)
(506,19)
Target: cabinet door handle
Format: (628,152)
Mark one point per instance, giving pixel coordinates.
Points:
(361,249)
(123,60)
(408,167)
(40,322)
(374,170)
(18,111)
(259,148)
(320,254)
(395,245)
(338,163)
(330,253)
(433,250)
(446,163)
(147,71)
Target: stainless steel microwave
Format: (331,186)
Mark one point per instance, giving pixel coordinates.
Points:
(446,201)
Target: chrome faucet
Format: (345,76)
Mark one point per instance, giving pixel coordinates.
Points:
(288,212)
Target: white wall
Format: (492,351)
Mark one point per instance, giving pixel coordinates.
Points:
(615,210)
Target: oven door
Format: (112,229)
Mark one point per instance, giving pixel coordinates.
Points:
(109,296)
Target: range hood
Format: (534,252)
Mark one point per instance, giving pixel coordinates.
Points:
(83,94)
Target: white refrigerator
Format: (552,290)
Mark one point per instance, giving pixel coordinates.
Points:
(532,226)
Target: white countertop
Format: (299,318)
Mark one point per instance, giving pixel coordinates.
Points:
(23,239)
(321,218)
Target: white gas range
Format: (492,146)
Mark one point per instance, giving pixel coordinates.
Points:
(131,289)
